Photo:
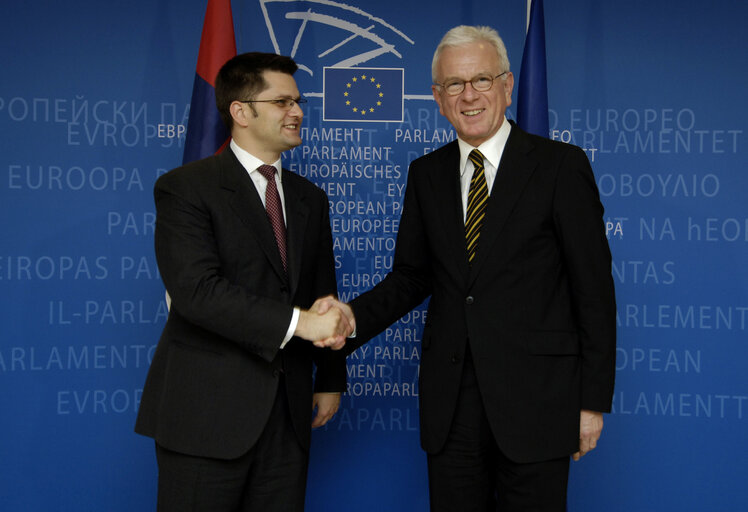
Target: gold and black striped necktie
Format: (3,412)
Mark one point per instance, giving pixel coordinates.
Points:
(476,204)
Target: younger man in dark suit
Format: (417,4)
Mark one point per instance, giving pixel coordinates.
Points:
(244,248)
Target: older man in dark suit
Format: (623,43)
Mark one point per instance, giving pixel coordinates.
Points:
(504,231)
(244,247)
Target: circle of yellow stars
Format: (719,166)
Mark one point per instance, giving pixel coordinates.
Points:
(363,79)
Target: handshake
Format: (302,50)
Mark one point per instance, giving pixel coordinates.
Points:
(327,323)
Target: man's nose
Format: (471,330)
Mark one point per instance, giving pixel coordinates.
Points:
(469,93)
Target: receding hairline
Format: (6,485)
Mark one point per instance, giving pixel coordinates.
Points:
(464,35)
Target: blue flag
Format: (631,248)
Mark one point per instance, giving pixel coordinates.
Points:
(363,94)
(532,93)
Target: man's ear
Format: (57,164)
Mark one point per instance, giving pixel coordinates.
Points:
(239,113)
(437,98)
(508,87)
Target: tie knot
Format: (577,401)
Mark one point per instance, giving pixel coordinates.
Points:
(476,157)
(267,170)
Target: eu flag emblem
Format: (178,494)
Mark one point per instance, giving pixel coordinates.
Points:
(363,94)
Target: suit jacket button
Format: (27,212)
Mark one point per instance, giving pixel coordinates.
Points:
(276,373)
(455,359)
(469,299)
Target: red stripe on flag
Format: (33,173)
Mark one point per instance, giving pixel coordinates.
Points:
(217,44)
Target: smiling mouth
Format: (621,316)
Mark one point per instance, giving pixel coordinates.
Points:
(291,126)
(471,113)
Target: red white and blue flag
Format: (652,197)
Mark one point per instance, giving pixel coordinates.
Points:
(206,133)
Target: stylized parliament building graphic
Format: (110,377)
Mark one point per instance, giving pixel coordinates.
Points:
(349,92)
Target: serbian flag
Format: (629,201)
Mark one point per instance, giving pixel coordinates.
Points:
(206,133)
(532,93)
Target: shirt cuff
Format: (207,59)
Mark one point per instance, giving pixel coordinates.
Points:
(291,327)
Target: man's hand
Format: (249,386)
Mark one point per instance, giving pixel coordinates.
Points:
(590,428)
(327,405)
(324,304)
(327,329)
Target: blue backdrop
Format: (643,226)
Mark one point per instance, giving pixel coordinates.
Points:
(94,99)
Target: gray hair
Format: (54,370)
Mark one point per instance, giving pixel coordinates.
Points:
(466,34)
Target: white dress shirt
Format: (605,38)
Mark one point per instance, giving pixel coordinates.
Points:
(492,149)
(250,164)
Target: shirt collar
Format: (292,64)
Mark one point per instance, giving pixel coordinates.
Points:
(251,162)
(492,149)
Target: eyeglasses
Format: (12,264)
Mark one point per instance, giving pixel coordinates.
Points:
(283,103)
(480,83)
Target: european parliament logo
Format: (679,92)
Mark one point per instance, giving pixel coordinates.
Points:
(363,94)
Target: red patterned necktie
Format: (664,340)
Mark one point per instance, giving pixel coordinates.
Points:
(476,205)
(274,210)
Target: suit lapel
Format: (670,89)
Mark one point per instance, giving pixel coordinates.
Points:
(446,186)
(297,218)
(246,203)
(514,171)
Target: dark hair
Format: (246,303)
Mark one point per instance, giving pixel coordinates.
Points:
(241,79)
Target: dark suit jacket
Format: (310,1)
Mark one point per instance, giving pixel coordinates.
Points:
(214,375)
(537,307)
